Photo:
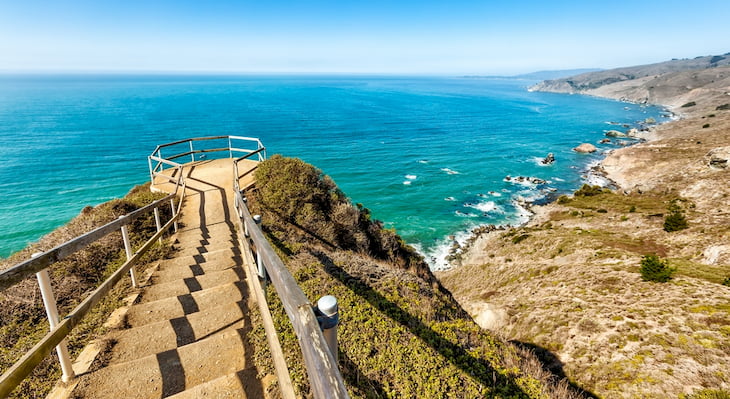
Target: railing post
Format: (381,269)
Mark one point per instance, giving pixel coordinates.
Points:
(192,152)
(259,260)
(128,250)
(174,212)
(49,302)
(328,317)
(157,222)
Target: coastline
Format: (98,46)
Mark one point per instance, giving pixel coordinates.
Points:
(462,249)
(568,280)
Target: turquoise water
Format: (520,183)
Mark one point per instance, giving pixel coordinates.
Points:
(427,155)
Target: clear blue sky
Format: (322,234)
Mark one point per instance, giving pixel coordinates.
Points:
(365,36)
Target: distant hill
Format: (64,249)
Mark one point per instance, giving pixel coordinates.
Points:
(545,75)
(672,83)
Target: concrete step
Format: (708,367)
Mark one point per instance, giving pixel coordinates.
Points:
(210,229)
(167,373)
(227,254)
(181,305)
(165,335)
(188,267)
(227,386)
(186,285)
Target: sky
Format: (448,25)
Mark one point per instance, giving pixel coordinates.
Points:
(358,37)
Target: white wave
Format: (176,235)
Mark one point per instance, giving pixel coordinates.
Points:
(449,171)
(465,214)
(449,199)
(486,206)
(436,256)
(558,179)
(407,182)
(411,177)
(424,161)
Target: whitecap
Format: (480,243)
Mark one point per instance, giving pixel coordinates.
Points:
(558,179)
(449,171)
(407,182)
(485,206)
(411,177)
(424,161)
(495,194)
(449,199)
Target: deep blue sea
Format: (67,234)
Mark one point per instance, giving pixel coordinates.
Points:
(427,155)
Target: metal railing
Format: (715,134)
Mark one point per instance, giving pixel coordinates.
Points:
(316,333)
(39,264)
(206,145)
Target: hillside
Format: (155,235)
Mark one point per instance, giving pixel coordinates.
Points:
(402,334)
(569,280)
(671,83)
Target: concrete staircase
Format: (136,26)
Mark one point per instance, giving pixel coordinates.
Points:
(186,337)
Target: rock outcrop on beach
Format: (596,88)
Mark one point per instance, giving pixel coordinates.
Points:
(568,281)
(585,148)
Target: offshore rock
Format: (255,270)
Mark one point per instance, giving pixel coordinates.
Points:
(549,159)
(585,148)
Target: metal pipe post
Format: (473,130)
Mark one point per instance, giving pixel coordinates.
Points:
(329,317)
(128,250)
(157,222)
(49,302)
(192,152)
(174,212)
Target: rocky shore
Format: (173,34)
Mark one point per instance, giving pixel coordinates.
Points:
(567,282)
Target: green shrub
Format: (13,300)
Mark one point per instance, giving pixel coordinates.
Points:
(655,269)
(563,199)
(726,282)
(518,239)
(706,125)
(689,104)
(588,191)
(722,107)
(632,209)
(675,220)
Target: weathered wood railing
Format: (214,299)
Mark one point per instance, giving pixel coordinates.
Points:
(319,352)
(320,356)
(39,265)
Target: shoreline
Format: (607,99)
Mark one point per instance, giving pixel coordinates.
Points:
(460,253)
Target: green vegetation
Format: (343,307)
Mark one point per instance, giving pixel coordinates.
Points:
(706,125)
(722,107)
(655,269)
(588,191)
(22,314)
(301,205)
(675,220)
(726,282)
(708,394)
(401,334)
(689,104)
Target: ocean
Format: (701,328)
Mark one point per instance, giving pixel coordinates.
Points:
(429,156)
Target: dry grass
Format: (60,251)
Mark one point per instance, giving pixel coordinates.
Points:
(572,286)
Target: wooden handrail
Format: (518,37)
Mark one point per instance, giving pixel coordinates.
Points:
(12,377)
(324,375)
(23,367)
(17,273)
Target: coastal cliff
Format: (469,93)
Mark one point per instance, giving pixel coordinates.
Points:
(569,280)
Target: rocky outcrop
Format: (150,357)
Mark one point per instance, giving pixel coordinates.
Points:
(549,159)
(718,158)
(585,148)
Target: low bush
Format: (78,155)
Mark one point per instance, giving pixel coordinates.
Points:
(588,191)
(689,104)
(722,107)
(675,219)
(655,269)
